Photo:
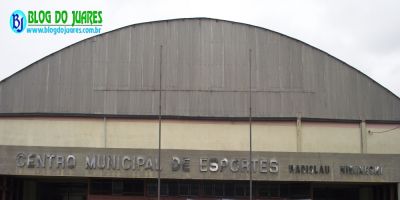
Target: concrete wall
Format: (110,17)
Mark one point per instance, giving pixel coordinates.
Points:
(199,135)
(132,134)
(380,140)
(205,135)
(274,136)
(65,132)
(331,137)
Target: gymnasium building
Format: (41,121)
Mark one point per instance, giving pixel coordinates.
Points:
(196,108)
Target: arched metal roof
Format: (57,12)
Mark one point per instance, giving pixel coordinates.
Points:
(205,65)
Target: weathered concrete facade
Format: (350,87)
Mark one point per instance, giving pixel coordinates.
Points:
(283,136)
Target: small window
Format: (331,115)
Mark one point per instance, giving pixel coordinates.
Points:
(194,189)
(101,186)
(284,192)
(219,189)
(209,189)
(184,189)
(274,190)
(152,189)
(134,188)
(117,187)
(163,189)
(166,188)
(268,190)
(229,190)
(173,189)
(299,190)
(242,189)
(263,190)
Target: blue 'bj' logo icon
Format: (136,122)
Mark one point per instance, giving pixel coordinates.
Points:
(18,21)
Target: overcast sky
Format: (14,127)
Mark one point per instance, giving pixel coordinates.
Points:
(362,33)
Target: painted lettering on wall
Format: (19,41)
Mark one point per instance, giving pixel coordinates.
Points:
(309,169)
(211,165)
(361,170)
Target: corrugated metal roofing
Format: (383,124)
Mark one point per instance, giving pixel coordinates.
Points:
(205,73)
